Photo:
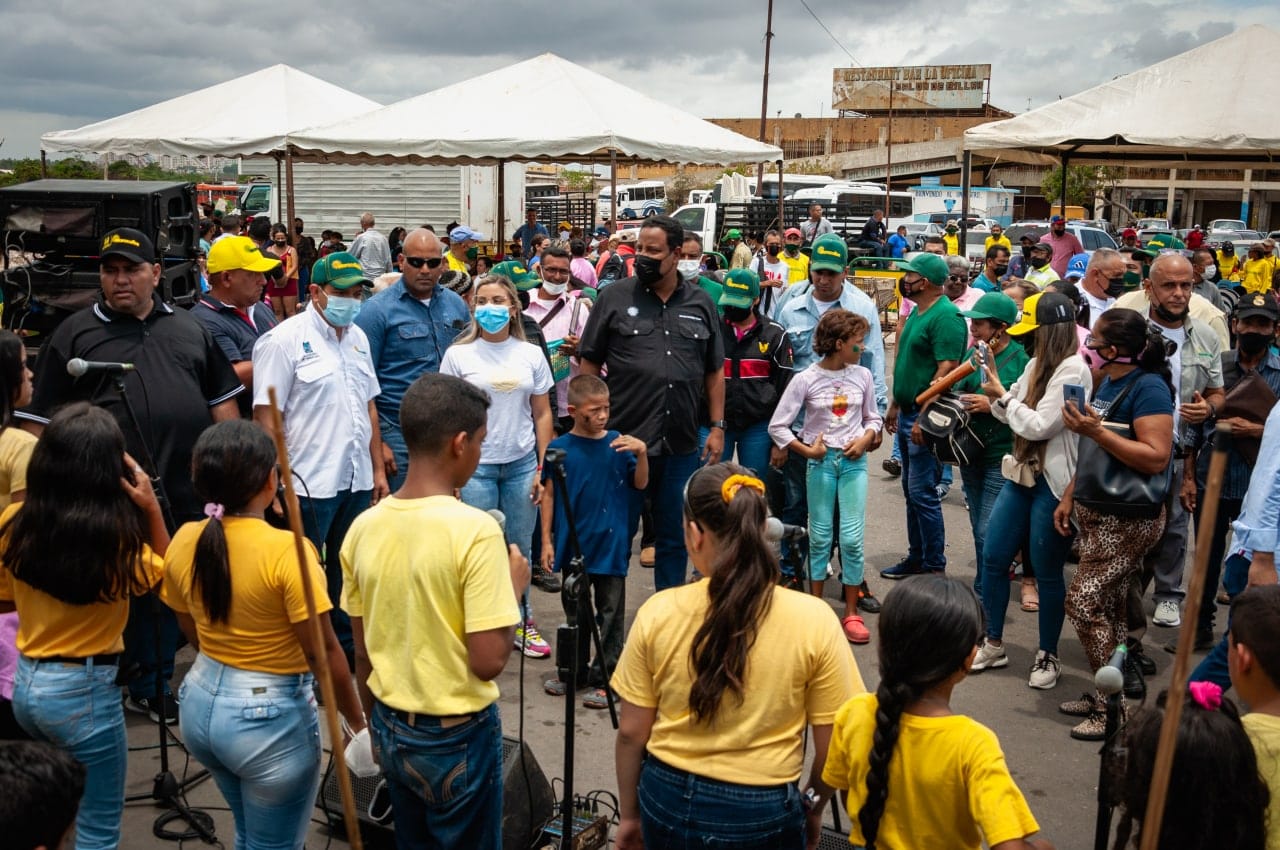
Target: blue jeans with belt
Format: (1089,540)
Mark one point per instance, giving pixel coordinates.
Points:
(682,811)
(921,472)
(76,707)
(259,735)
(445,782)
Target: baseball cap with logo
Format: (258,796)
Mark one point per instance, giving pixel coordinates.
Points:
(238,252)
(1043,308)
(829,254)
(1056,219)
(929,266)
(131,244)
(1077,266)
(341,270)
(518,273)
(1258,304)
(741,288)
(462,233)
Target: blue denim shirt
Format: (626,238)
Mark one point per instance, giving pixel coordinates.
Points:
(408,338)
(1258,526)
(799,315)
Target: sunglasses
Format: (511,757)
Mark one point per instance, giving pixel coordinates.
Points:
(429,262)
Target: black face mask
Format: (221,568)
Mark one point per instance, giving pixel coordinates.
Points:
(737,314)
(773,250)
(1028,342)
(648,270)
(1254,344)
(1026,252)
(1168,315)
(792,250)
(1002,270)
(1039,262)
(1115,286)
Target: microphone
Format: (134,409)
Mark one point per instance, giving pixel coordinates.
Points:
(775,530)
(499,517)
(76,367)
(1110,677)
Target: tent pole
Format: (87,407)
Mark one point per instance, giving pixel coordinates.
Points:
(280,187)
(764,95)
(782,224)
(290,212)
(613,191)
(1062,201)
(44,164)
(966,181)
(888,153)
(502,210)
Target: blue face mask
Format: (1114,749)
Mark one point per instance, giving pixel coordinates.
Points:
(341,312)
(493,317)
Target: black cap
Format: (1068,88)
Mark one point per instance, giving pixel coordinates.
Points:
(1258,304)
(133,245)
(1054,308)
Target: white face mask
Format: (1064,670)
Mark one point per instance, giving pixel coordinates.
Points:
(688,268)
(1209,272)
(555,288)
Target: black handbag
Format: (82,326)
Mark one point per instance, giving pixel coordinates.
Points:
(1105,483)
(948,431)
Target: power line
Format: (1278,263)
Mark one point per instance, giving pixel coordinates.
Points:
(830,33)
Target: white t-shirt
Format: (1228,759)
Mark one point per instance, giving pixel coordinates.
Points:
(824,306)
(511,372)
(1179,338)
(1097,306)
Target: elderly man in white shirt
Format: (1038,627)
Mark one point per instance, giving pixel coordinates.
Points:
(320,366)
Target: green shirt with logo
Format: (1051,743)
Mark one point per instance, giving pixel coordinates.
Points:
(926,338)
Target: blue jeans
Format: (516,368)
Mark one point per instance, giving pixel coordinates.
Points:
(1025,514)
(752,443)
(684,811)
(926,534)
(259,735)
(394,439)
(1235,578)
(445,784)
(140,651)
(982,484)
(795,509)
(505,487)
(836,479)
(77,708)
(667,476)
(325,523)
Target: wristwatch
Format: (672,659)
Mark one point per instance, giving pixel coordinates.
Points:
(718,423)
(809,800)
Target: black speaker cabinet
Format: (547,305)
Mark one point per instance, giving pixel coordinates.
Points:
(527,804)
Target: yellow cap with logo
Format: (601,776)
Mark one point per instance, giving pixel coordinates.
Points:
(238,252)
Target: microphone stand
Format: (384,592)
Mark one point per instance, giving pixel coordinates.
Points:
(165,787)
(570,652)
(1110,754)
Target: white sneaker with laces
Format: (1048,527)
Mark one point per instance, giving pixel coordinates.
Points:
(530,642)
(1045,671)
(989,656)
(1167,614)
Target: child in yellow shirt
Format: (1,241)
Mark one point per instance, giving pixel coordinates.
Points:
(916,774)
(1253,659)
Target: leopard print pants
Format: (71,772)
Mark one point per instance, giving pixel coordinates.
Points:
(1111,551)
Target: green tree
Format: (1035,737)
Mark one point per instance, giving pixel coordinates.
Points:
(578,181)
(1084,183)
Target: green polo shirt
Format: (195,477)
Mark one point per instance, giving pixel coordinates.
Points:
(995,435)
(938,333)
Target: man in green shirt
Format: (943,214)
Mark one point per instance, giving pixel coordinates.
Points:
(930,344)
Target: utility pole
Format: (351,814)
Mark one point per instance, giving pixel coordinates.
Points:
(888,154)
(764,95)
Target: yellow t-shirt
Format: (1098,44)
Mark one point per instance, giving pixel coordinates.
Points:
(797,267)
(1264,732)
(1258,274)
(992,241)
(47,626)
(949,785)
(800,670)
(455,265)
(423,573)
(952,242)
(15,453)
(266,595)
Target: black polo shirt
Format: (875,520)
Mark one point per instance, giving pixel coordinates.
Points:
(658,356)
(236,332)
(181,373)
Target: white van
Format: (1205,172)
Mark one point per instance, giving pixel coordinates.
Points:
(635,200)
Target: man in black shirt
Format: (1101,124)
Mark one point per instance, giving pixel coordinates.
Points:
(657,334)
(874,233)
(181,383)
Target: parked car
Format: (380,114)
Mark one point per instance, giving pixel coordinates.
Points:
(1092,238)
(1227,224)
(918,230)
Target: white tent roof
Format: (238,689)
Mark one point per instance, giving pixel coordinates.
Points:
(231,118)
(1193,108)
(504,115)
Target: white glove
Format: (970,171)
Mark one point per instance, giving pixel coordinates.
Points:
(359,754)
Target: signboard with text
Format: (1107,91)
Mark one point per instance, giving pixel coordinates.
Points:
(912,87)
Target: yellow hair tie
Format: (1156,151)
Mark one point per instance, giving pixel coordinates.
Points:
(734,483)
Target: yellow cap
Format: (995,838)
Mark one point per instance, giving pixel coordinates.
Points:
(238,252)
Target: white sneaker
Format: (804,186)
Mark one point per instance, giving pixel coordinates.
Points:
(1167,614)
(1045,671)
(989,656)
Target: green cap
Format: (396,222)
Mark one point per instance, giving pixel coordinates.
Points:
(340,270)
(518,273)
(734,233)
(993,305)
(929,266)
(829,254)
(741,288)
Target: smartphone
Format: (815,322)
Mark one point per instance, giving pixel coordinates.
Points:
(1074,393)
(983,355)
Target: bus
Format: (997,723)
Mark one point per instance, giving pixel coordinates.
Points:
(858,201)
(635,200)
(791,183)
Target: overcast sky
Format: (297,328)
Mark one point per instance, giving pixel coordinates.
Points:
(65,63)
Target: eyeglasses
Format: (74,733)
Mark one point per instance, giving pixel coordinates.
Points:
(955,278)
(429,262)
(1095,343)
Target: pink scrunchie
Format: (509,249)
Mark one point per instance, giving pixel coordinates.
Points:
(213,510)
(1207,695)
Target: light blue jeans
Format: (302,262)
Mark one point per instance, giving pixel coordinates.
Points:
(836,479)
(77,708)
(259,735)
(506,486)
(982,484)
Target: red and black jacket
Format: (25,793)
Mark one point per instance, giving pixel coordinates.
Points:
(756,371)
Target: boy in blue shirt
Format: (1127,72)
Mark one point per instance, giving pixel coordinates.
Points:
(899,245)
(601,467)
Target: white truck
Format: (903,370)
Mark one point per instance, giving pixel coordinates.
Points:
(334,196)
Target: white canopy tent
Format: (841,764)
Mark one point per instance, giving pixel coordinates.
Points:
(227,119)
(1194,109)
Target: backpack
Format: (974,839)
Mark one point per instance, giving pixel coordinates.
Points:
(948,431)
(617,267)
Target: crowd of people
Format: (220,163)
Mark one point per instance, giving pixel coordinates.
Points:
(424,390)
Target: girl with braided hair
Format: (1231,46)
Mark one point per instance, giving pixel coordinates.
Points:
(916,774)
(719,680)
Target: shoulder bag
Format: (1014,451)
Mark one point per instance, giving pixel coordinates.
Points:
(1107,484)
